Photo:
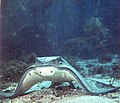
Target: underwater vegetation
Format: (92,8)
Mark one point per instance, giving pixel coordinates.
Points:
(94,26)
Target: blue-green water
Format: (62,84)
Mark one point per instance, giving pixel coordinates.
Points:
(82,28)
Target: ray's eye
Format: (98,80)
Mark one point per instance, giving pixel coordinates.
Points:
(30,74)
(60,62)
(40,72)
(51,71)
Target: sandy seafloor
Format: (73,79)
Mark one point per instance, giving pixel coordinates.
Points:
(64,96)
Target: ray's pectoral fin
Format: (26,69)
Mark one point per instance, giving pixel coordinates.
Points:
(29,79)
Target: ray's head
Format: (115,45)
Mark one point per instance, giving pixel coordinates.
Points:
(46,71)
